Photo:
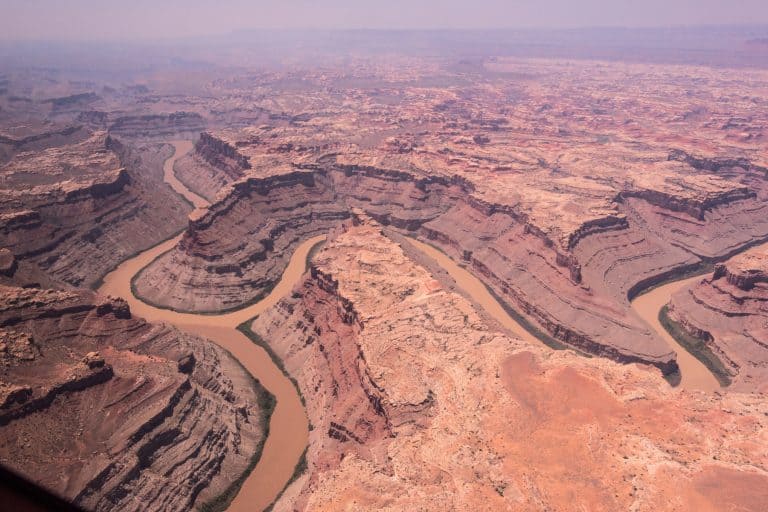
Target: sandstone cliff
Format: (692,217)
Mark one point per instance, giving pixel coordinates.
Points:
(115,413)
(70,213)
(152,126)
(416,403)
(727,314)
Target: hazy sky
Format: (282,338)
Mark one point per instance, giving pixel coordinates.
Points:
(108,19)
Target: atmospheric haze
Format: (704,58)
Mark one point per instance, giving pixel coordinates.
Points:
(402,255)
(145,19)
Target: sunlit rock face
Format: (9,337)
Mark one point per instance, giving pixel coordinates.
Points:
(418,401)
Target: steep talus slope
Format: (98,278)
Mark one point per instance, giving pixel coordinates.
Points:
(417,404)
(74,211)
(115,413)
(728,313)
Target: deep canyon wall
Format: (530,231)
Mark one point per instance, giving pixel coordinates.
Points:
(577,294)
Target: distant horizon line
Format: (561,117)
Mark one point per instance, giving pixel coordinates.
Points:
(185,38)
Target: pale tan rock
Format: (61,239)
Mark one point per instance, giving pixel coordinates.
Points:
(417,404)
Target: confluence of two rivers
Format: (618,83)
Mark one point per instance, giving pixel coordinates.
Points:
(289,426)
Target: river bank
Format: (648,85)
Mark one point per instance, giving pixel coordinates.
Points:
(289,428)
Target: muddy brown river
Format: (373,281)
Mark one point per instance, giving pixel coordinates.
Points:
(694,374)
(289,425)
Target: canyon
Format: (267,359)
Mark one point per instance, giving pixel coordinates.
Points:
(418,402)
(576,289)
(401,282)
(723,316)
(114,413)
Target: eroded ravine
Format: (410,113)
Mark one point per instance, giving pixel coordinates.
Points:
(289,425)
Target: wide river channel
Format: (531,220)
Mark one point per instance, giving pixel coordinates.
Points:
(289,425)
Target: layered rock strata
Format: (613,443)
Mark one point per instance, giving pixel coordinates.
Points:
(236,252)
(68,214)
(213,165)
(417,404)
(207,272)
(155,126)
(564,207)
(10,145)
(727,312)
(114,413)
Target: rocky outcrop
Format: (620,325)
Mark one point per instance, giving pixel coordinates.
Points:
(114,413)
(717,165)
(10,145)
(221,155)
(416,403)
(242,243)
(213,165)
(727,313)
(19,143)
(745,270)
(695,207)
(69,214)
(152,126)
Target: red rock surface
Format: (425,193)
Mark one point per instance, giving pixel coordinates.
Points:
(416,403)
(115,413)
(567,192)
(567,186)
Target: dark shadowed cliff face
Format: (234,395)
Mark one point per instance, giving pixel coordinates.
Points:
(115,413)
(70,213)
